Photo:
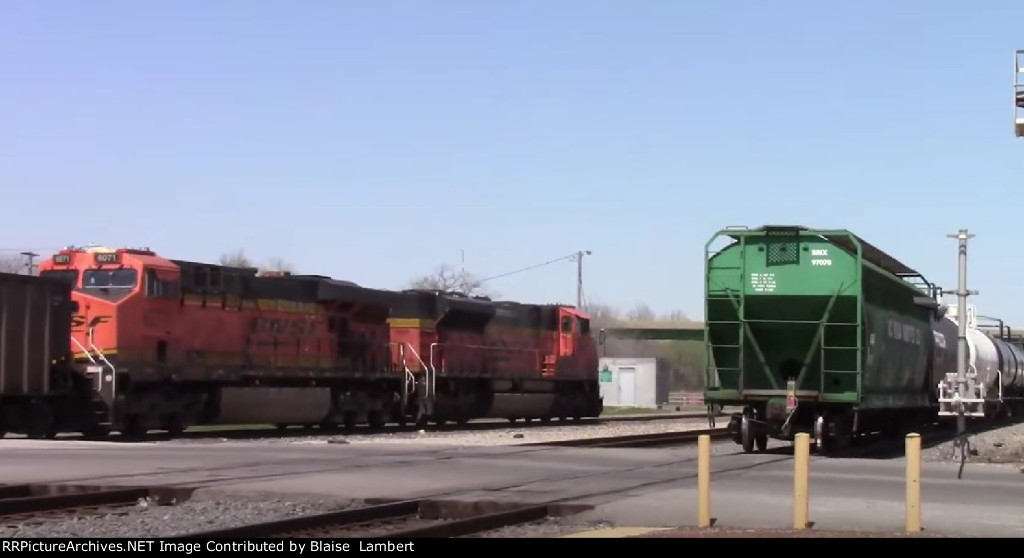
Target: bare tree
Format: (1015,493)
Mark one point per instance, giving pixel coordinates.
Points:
(12,264)
(236,259)
(278,265)
(239,259)
(447,279)
(641,313)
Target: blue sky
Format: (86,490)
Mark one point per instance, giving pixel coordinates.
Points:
(373,141)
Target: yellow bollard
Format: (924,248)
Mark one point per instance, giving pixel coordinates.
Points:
(704,481)
(801,455)
(913,483)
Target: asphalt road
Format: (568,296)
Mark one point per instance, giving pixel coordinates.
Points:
(632,487)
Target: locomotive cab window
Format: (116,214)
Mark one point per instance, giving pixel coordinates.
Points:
(567,324)
(584,326)
(161,284)
(109,278)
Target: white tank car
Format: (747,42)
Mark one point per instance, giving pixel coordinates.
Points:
(995,361)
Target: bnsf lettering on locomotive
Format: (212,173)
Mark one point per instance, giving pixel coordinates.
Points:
(280,326)
(904,332)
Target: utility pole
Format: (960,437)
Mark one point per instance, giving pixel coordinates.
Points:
(579,277)
(961,292)
(29,265)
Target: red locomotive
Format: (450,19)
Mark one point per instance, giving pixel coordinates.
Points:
(168,344)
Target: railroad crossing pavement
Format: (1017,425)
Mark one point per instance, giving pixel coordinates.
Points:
(628,487)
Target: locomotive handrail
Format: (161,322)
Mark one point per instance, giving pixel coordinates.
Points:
(88,353)
(103,358)
(427,369)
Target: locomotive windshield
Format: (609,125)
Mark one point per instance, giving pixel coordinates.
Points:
(109,279)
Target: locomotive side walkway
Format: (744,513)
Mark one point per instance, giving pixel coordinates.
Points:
(628,487)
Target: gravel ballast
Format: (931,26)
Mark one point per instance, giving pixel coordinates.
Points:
(206,510)
(1003,445)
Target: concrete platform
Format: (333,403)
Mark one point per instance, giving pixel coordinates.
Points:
(632,487)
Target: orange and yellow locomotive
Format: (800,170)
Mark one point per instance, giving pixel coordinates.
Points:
(168,344)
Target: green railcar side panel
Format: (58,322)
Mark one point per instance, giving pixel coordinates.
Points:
(799,307)
(899,342)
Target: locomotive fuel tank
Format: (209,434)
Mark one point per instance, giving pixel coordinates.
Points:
(242,405)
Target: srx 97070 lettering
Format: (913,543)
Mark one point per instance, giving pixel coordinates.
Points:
(819,257)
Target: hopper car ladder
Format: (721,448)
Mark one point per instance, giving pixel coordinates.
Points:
(1018,94)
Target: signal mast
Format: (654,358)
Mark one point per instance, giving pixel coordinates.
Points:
(1018,94)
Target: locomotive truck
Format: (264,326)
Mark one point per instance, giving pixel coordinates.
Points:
(166,344)
(819,331)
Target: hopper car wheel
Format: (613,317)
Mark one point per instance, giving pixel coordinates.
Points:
(42,424)
(375,419)
(761,440)
(822,442)
(746,434)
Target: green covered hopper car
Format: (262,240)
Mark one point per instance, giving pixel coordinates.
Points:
(818,331)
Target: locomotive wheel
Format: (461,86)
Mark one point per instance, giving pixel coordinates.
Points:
(133,427)
(545,420)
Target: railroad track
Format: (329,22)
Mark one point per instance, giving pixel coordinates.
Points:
(363,430)
(407,519)
(21,503)
(658,439)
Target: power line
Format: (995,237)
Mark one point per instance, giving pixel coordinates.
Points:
(529,268)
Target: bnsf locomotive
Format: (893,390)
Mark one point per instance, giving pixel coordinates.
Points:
(160,344)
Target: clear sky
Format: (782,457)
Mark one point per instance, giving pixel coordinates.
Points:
(375,140)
